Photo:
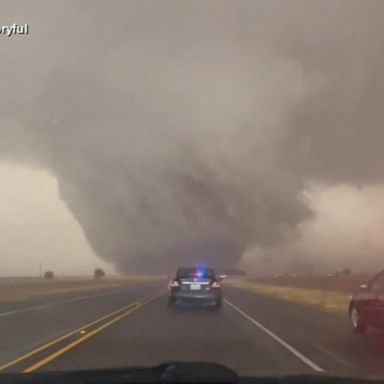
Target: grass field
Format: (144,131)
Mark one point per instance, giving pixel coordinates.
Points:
(22,289)
(347,284)
(329,293)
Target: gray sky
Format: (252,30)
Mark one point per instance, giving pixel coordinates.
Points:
(36,227)
(189,131)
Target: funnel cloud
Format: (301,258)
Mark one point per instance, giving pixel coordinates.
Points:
(186,132)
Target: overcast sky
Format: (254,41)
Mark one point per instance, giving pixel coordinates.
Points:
(37,228)
(174,132)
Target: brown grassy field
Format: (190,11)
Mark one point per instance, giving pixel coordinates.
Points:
(21,289)
(330,293)
(346,284)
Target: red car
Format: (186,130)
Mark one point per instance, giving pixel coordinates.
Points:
(366,308)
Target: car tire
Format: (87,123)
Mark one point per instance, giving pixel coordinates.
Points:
(171,303)
(218,305)
(357,324)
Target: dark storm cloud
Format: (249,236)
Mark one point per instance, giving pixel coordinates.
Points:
(182,132)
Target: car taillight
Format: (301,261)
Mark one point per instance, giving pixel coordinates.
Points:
(174,284)
(215,285)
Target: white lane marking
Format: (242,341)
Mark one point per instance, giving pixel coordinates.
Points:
(46,305)
(278,339)
(331,354)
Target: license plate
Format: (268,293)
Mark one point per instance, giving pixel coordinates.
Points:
(195,287)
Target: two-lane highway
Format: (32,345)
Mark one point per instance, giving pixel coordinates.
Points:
(133,326)
(24,327)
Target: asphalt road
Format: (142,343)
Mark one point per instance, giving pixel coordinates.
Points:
(132,326)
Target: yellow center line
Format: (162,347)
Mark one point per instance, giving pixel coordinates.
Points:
(73,344)
(69,334)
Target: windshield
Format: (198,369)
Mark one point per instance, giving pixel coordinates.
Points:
(195,181)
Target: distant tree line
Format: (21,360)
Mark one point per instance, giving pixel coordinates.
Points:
(231,271)
(49,275)
(98,274)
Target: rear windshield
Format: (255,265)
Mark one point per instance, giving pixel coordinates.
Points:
(195,272)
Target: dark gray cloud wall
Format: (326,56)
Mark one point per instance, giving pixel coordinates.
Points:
(182,132)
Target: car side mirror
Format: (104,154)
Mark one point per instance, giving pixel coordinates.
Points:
(364,287)
(222,277)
